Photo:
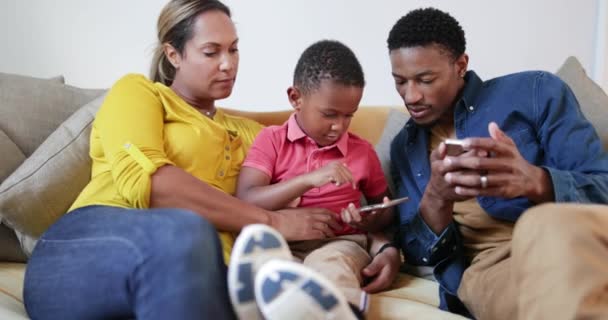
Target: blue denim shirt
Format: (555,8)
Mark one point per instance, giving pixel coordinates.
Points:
(540,113)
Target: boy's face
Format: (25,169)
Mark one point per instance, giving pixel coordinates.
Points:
(429,80)
(324,114)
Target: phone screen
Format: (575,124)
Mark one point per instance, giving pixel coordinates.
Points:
(377,206)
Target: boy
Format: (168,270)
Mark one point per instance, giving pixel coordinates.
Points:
(312,161)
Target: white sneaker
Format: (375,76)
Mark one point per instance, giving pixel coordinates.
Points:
(256,244)
(289,290)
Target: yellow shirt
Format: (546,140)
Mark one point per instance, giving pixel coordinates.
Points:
(479,230)
(142,126)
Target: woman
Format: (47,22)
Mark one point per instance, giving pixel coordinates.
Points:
(121,252)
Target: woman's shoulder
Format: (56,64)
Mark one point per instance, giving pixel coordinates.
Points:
(133,79)
(240,121)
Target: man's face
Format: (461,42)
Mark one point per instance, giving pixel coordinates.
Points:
(429,80)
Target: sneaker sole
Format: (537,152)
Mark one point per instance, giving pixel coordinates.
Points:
(289,290)
(256,245)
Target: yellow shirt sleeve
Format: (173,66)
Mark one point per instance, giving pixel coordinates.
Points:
(130,124)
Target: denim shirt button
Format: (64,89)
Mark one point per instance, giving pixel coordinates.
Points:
(471,108)
(425,259)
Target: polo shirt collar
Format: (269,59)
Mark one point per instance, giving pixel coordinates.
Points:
(294,132)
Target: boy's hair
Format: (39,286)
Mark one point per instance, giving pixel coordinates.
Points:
(422,27)
(327,60)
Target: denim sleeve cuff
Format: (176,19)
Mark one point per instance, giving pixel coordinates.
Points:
(436,247)
(563,189)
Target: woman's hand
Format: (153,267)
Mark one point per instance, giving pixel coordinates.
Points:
(305,223)
(382,271)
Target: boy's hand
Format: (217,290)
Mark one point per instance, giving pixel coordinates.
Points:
(366,221)
(334,172)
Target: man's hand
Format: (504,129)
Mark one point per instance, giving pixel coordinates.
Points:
(382,271)
(305,223)
(507,174)
(438,199)
(334,172)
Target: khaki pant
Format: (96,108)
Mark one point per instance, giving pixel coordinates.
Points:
(339,259)
(555,267)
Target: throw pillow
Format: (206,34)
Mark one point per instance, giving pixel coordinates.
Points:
(11,158)
(395,121)
(592,99)
(42,189)
(31,108)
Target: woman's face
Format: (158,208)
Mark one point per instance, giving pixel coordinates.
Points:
(208,65)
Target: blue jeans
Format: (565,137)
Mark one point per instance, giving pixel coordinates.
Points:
(102,262)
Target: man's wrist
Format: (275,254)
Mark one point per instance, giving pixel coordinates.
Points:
(436,212)
(387,246)
(542,189)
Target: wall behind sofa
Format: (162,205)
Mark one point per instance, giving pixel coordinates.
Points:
(93,43)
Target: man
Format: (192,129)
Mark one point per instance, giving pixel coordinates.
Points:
(525,143)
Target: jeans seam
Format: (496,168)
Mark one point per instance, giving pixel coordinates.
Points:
(117,239)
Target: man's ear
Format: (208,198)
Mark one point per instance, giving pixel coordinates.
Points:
(462,64)
(295,97)
(172,55)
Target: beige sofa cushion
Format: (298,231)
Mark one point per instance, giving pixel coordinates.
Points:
(30,108)
(591,97)
(47,183)
(394,123)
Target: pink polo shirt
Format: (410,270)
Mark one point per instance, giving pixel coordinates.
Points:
(283,152)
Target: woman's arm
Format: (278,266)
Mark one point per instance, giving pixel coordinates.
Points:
(229,213)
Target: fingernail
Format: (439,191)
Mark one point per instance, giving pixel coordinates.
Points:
(447,161)
(448,177)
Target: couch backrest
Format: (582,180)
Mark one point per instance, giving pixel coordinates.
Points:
(32,108)
(367,123)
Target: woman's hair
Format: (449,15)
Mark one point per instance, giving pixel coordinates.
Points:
(327,60)
(175,28)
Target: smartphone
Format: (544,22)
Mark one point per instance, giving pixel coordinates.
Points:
(454,147)
(378,206)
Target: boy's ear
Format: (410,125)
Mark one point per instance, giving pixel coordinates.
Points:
(295,97)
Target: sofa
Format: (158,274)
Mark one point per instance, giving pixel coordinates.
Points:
(44,138)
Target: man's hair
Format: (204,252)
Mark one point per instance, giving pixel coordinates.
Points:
(327,60)
(428,26)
